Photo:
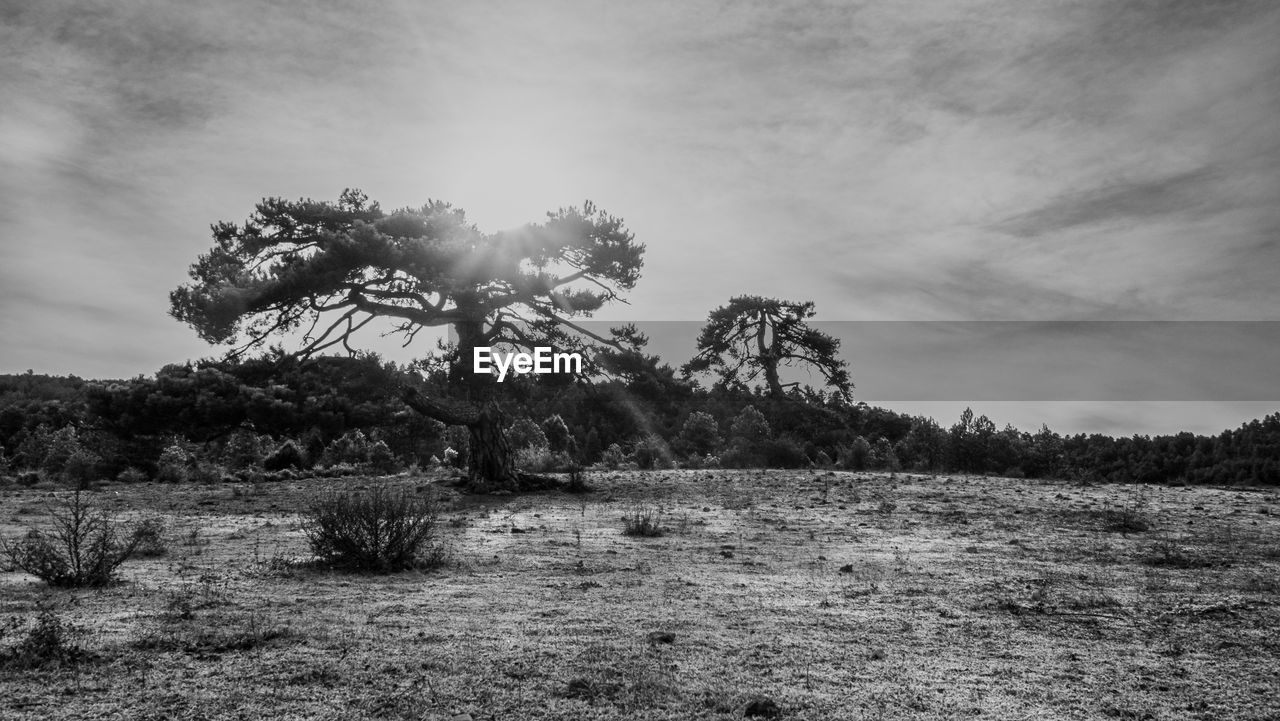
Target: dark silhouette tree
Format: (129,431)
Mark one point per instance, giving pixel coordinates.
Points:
(754,336)
(326,270)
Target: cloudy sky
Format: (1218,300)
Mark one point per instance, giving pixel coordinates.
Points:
(1013,160)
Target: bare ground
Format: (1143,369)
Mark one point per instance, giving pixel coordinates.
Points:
(831,595)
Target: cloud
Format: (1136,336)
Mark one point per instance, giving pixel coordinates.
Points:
(983,159)
(1161,197)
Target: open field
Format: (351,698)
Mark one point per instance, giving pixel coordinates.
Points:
(832,595)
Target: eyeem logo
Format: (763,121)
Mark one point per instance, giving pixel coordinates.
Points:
(543,360)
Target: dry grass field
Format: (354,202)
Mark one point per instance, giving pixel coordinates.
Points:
(770,594)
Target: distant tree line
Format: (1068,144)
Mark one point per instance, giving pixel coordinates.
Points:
(332,414)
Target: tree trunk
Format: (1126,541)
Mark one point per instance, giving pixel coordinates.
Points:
(771,377)
(492,464)
(490,461)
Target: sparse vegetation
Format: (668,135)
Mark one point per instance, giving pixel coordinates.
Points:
(380,529)
(48,642)
(81,547)
(756,592)
(643,521)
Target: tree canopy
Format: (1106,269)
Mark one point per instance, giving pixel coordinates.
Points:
(335,266)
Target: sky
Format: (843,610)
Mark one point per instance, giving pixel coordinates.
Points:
(993,160)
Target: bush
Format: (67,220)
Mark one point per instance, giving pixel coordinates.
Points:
(783,453)
(82,548)
(542,460)
(60,448)
(644,522)
(48,643)
(132,475)
(524,433)
(244,450)
(352,447)
(695,461)
(652,452)
(206,473)
(81,468)
(381,459)
(854,457)
(749,426)
(883,456)
(149,535)
(32,448)
(613,457)
(380,530)
(556,431)
(700,434)
(174,464)
(287,456)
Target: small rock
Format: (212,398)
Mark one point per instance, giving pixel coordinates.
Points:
(846,568)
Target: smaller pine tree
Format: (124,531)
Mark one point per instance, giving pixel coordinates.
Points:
(700,434)
(750,427)
(557,434)
(524,433)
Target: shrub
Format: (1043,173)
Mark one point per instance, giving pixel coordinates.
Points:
(556,431)
(883,456)
(700,434)
(244,450)
(352,447)
(749,426)
(652,452)
(288,456)
(524,433)
(131,475)
(613,456)
(206,473)
(380,530)
(50,642)
(381,459)
(61,446)
(83,547)
(32,448)
(542,460)
(694,461)
(149,535)
(783,453)
(174,464)
(81,468)
(854,457)
(458,439)
(643,521)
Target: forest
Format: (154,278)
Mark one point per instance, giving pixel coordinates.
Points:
(277,416)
